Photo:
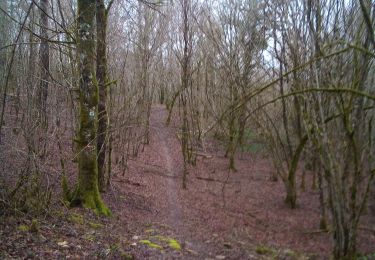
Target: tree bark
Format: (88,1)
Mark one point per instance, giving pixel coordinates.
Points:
(291,197)
(4,37)
(87,192)
(44,59)
(101,76)
(185,83)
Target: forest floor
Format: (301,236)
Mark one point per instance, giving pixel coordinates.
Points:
(221,215)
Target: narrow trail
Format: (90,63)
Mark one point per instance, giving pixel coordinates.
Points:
(162,175)
(164,136)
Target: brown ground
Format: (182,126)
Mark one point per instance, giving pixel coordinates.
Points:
(221,215)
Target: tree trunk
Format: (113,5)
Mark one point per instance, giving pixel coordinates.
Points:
(344,226)
(184,139)
(87,192)
(185,84)
(101,76)
(344,242)
(4,39)
(232,140)
(44,59)
(323,218)
(109,161)
(291,196)
(30,73)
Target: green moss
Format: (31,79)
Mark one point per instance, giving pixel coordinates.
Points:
(76,218)
(34,226)
(67,195)
(114,247)
(263,250)
(174,244)
(162,225)
(87,193)
(117,248)
(95,225)
(89,237)
(160,238)
(23,228)
(125,256)
(290,253)
(151,244)
(58,213)
(92,200)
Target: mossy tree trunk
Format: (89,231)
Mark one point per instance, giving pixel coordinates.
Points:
(87,192)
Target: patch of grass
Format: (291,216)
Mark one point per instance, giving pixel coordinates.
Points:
(151,244)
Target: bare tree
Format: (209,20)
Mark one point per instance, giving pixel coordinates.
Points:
(44,59)
(103,85)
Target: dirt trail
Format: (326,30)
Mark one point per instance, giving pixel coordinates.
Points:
(188,214)
(164,136)
(159,169)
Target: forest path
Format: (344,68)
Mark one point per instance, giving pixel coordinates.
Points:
(165,137)
(160,167)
